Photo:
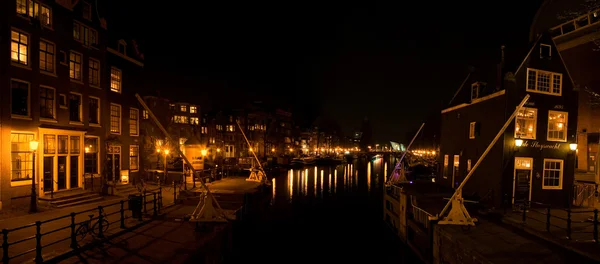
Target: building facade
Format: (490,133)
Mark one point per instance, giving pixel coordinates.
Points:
(51,89)
(533,160)
(577,39)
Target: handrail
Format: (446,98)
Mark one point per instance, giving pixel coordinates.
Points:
(11,251)
(418,217)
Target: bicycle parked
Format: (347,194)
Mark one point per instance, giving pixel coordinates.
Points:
(85,228)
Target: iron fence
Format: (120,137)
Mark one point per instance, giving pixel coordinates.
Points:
(69,232)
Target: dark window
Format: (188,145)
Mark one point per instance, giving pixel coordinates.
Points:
(46,102)
(75,107)
(20,98)
(94,110)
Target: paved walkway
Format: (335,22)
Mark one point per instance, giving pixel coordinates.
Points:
(499,244)
(581,239)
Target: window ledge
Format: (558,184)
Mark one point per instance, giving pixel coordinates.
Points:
(75,123)
(115,133)
(49,120)
(48,73)
(115,91)
(95,86)
(20,183)
(76,81)
(557,140)
(95,125)
(19,65)
(63,107)
(21,117)
(63,63)
(552,188)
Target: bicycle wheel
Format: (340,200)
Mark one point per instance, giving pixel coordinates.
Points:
(96,228)
(81,232)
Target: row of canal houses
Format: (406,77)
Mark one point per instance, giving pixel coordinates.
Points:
(69,83)
(546,155)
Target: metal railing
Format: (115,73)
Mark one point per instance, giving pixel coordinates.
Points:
(579,225)
(68,232)
(420,215)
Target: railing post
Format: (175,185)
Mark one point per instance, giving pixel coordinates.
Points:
(5,245)
(144,201)
(100,218)
(596,225)
(568,223)
(38,242)
(73,238)
(548,219)
(154,201)
(122,214)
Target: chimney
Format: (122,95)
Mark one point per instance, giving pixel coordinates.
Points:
(499,69)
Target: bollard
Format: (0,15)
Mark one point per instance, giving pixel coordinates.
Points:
(548,219)
(38,242)
(73,238)
(100,218)
(596,225)
(569,223)
(122,214)
(154,201)
(5,245)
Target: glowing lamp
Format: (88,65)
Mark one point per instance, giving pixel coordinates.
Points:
(203,152)
(518,142)
(272,150)
(33,145)
(218,150)
(573,146)
(166,152)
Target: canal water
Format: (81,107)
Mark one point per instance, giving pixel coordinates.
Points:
(325,215)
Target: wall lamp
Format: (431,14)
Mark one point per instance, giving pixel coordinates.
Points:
(518,142)
(573,146)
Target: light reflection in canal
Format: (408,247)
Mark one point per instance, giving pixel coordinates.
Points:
(327,181)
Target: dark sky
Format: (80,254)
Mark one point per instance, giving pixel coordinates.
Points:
(392,61)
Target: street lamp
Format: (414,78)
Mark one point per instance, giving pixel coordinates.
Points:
(573,146)
(33,145)
(518,142)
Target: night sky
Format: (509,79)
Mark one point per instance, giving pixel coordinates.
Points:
(394,62)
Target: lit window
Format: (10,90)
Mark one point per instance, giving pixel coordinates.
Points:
(133,122)
(115,79)
(115,119)
(472,130)
(193,109)
(19,47)
(180,119)
(183,108)
(35,10)
(145,114)
(545,82)
(134,161)
(46,56)
(75,66)
(94,72)
(194,120)
(468,165)
(230,128)
(557,126)
(553,173)
(204,130)
(526,122)
(446,166)
(20,156)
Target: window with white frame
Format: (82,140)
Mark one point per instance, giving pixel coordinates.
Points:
(557,126)
(47,102)
(116,79)
(115,119)
(94,72)
(20,102)
(204,130)
(553,173)
(545,82)
(472,130)
(134,157)
(134,121)
(47,53)
(193,109)
(526,123)
(35,10)
(75,65)
(87,36)
(20,156)
(19,47)
(183,108)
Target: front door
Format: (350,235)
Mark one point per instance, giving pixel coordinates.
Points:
(522,180)
(113,163)
(62,172)
(74,172)
(48,174)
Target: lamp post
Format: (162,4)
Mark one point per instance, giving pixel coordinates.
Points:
(33,145)
(165,168)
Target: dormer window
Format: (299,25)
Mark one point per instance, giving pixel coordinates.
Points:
(86,9)
(476,89)
(122,48)
(545,51)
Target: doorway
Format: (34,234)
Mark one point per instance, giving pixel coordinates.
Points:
(62,172)
(455,171)
(522,180)
(113,163)
(48,174)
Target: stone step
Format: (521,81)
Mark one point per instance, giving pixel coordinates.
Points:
(64,195)
(75,199)
(89,200)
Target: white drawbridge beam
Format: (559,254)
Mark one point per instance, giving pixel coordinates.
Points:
(458,215)
(207,212)
(398,174)
(256,176)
